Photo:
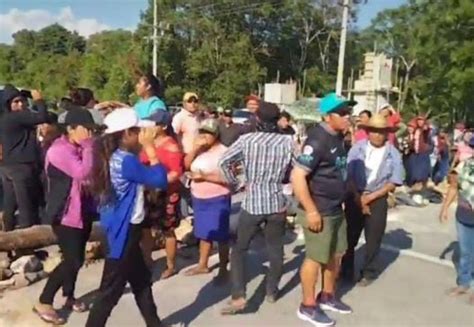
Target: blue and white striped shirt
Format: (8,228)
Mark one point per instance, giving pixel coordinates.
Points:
(267,160)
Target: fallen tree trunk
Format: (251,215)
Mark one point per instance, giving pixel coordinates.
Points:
(38,237)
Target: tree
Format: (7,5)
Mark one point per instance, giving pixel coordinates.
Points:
(436,55)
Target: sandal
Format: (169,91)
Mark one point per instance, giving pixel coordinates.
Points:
(456,291)
(233,309)
(50,317)
(197,271)
(168,273)
(76,305)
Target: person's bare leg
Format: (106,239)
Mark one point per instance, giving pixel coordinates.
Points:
(338,265)
(309,277)
(171,246)
(329,276)
(205,248)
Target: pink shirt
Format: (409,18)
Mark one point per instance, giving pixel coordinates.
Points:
(76,162)
(464,151)
(186,127)
(207,163)
(361,135)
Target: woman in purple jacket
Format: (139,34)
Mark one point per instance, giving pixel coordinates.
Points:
(68,164)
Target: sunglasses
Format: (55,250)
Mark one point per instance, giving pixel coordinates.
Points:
(19,100)
(192,100)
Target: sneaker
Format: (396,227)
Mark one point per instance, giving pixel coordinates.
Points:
(315,316)
(330,303)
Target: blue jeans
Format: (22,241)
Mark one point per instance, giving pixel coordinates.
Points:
(466,257)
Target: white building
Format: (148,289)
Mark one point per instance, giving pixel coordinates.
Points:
(374,86)
(281,94)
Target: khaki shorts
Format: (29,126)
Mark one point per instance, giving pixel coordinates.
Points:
(322,246)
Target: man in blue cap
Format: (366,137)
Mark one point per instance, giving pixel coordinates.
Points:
(319,182)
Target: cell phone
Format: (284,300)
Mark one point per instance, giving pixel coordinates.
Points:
(186,179)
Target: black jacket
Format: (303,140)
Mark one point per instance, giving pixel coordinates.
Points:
(18,130)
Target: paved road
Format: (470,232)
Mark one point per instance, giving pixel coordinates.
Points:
(410,291)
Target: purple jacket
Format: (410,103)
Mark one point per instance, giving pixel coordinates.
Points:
(67,168)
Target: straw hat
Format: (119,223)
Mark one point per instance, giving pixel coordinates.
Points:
(378,122)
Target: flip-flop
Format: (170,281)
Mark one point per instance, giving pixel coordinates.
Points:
(50,317)
(196,271)
(232,309)
(456,291)
(76,306)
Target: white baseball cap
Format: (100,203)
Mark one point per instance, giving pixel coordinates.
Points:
(384,105)
(124,118)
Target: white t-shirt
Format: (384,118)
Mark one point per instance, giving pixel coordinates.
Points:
(373,160)
(138,214)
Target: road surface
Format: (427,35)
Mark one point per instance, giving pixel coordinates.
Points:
(417,262)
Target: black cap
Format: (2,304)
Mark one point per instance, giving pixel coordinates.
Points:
(268,112)
(79,116)
(228,112)
(52,117)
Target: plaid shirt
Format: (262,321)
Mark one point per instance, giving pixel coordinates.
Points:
(465,172)
(266,159)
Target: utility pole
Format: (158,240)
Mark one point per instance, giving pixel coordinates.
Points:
(155,37)
(342,47)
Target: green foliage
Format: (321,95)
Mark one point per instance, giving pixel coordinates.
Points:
(225,49)
(437,37)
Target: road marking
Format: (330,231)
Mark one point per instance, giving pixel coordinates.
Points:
(414,254)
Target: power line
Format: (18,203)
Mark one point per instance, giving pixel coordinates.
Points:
(243,8)
(206,6)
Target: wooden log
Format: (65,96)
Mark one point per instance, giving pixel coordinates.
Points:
(38,237)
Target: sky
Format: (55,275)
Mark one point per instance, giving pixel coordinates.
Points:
(91,16)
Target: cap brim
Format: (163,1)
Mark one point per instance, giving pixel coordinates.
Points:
(145,123)
(385,129)
(342,104)
(88,125)
(205,130)
(139,124)
(351,103)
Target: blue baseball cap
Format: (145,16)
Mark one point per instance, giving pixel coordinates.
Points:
(471,142)
(160,117)
(332,102)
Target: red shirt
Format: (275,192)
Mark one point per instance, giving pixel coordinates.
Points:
(393,121)
(170,156)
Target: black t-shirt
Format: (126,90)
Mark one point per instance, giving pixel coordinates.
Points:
(229,134)
(325,158)
(287,131)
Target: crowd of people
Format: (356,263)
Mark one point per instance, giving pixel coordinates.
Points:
(139,168)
